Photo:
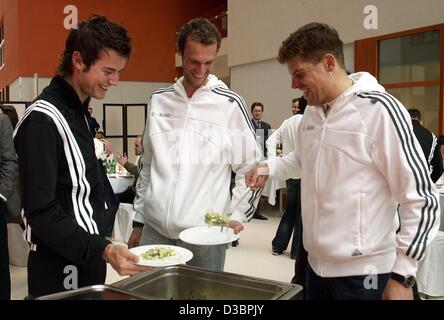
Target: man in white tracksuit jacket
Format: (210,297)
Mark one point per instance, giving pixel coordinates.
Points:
(359,158)
(197,132)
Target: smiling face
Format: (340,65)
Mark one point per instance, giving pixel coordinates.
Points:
(295,107)
(102,74)
(138,149)
(257,113)
(197,62)
(312,79)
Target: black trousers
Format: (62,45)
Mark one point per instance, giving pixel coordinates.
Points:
(126,196)
(291,221)
(345,288)
(48,273)
(5,279)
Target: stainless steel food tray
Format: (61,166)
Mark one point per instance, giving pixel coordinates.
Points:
(190,283)
(97,292)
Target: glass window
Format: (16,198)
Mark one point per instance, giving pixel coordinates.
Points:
(114,120)
(425,99)
(410,58)
(135,117)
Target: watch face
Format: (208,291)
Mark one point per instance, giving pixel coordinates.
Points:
(410,281)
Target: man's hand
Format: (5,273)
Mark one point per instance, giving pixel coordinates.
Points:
(134,238)
(123,260)
(122,158)
(395,290)
(257,176)
(236,226)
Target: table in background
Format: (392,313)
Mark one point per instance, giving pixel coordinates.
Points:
(123,224)
(430,275)
(270,188)
(120,183)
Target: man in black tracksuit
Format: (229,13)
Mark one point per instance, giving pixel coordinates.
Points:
(62,187)
(429,145)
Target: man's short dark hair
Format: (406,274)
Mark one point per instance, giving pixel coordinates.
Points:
(200,30)
(415,114)
(301,105)
(255,104)
(100,135)
(90,37)
(311,42)
(441,140)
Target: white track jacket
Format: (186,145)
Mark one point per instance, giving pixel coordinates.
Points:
(190,147)
(285,135)
(357,164)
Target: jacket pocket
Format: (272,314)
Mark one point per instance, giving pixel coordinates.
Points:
(362,213)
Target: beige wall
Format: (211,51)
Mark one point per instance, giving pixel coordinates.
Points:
(258,27)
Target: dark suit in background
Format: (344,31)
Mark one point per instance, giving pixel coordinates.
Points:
(262,131)
(431,149)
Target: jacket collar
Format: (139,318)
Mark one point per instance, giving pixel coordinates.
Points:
(212,82)
(70,94)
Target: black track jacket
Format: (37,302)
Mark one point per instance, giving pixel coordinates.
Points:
(62,189)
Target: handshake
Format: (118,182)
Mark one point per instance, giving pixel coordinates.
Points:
(257,176)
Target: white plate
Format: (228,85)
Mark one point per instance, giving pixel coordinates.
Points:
(182,255)
(207,236)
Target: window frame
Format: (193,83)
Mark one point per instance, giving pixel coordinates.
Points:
(367,59)
(2,44)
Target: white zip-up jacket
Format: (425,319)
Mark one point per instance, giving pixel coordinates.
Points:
(357,164)
(190,147)
(285,135)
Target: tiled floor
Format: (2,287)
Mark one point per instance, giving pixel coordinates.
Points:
(252,257)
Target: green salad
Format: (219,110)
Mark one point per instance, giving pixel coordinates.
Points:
(216,219)
(158,253)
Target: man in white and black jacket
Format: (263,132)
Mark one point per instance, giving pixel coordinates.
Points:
(197,132)
(359,159)
(61,185)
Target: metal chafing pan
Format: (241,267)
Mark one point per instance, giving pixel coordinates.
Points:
(190,283)
(97,292)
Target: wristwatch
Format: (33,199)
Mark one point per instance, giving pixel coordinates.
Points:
(137,224)
(408,281)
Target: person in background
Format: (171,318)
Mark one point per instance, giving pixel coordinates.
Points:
(285,136)
(262,130)
(11,112)
(358,160)
(261,127)
(441,144)
(94,126)
(63,192)
(197,133)
(100,135)
(429,144)
(104,148)
(128,195)
(8,173)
